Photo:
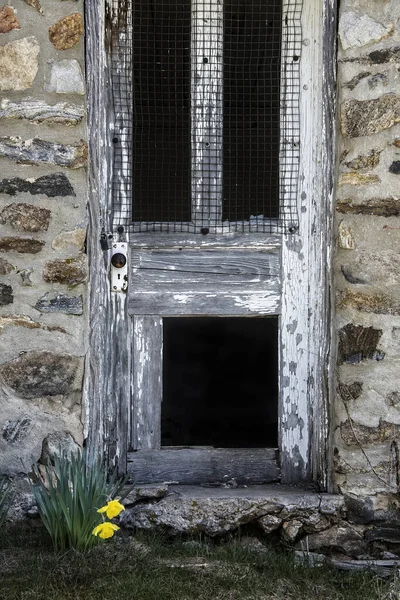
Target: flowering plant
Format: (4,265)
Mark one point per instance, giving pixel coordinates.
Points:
(106,529)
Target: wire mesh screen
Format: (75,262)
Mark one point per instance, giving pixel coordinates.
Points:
(206,99)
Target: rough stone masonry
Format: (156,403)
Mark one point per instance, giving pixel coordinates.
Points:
(43,266)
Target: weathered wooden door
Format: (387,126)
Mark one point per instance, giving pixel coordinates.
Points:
(207,247)
(208,149)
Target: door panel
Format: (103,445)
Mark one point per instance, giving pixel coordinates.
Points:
(205,281)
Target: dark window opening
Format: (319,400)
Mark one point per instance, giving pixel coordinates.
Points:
(220,382)
(161,110)
(251,132)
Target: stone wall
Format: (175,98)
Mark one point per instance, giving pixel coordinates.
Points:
(367,269)
(43,267)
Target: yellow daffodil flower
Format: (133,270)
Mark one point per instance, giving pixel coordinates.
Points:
(112,509)
(105,530)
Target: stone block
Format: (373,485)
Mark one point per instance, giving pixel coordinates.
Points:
(395,167)
(354,434)
(16,431)
(38,152)
(5,267)
(357,343)
(379,79)
(270,523)
(58,444)
(367,161)
(386,55)
(26,217)
(60,303)
(346,237)
(393,399)
(366,117)
(22,245)
(70,239)
(345,538)
(350,391)
(64,77)
(18,64)
(6,294)
(37,111)
(35,4)
(66,32)
(69,271)
(8,19)
(379,304)
(380,268)
(24,321)
(358,179)
(291,530)
(38,374)
(379,207)
(358,29)
(56,184)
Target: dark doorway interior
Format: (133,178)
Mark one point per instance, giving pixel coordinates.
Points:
(220,382)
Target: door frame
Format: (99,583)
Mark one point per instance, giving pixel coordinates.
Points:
(306,360)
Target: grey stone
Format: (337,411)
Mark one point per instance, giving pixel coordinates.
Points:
(64,77)
(37,111)
(358,29)
(60,303)
(5,267)
(378,268)
(217,511)
(350,391)
(56,184)
(345,538)
(37,152)
(38,374)
(395,167)
(145,492)
(69,271)
(24,321)
(350,277)
(291,530)
(393,399)
(17,431)
(270,523)
(70,239)
(379,207)
(378,79)
(22,245)
(357,343)
(356,80)
(366,117)
(58,443)
(26,217)
(26,276)
(346,237)
(18,64)
(6,294)
(386,55)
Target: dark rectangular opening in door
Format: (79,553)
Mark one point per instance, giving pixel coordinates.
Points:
(220,382)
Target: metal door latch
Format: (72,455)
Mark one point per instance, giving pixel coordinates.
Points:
(119,267)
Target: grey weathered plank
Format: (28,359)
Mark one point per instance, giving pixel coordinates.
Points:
(207,303)
(189,240)
(306,363)
(195,466)
(187,267)
(107,386)
(205,281)
(147,382)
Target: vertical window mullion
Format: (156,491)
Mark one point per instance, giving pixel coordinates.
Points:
(206,111)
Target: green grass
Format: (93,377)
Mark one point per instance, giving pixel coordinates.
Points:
(149,567)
